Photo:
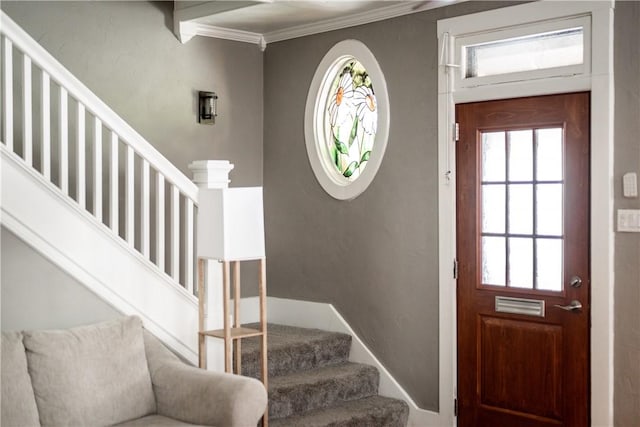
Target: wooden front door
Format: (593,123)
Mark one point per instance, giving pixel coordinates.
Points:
(523,252)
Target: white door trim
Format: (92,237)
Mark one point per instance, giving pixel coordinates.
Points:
(600,84)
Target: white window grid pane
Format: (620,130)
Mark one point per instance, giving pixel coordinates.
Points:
(549,154)
(493,261)
(549,255)
(521,265)
(493,209)
(520,155)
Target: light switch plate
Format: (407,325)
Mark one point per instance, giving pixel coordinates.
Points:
(629,220)
(630,185)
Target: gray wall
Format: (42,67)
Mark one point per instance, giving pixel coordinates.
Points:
(36,294)
(375,257)
(627,245)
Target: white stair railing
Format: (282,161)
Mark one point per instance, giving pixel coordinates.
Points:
(92,155)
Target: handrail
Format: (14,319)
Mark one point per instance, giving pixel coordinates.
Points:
(96,106)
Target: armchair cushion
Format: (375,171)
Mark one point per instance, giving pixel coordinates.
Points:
(156,421)
(90,375)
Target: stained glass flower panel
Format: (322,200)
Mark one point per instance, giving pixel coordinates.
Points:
(350,120)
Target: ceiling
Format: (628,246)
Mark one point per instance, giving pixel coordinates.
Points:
(274,16)
(267,21)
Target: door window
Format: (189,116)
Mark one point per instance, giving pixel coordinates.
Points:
(522,208)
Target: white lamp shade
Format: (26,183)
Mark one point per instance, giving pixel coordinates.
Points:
(231,224)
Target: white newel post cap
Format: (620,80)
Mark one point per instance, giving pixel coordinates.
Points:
(211,173)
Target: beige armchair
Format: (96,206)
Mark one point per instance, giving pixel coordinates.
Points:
(115,373)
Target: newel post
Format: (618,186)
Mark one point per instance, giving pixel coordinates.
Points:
(210,175)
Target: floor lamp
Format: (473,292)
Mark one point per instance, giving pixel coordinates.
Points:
(231,230)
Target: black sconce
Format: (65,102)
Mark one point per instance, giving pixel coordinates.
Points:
(208,107)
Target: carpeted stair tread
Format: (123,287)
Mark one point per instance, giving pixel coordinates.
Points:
(374,411)
(319,388)
(292,349)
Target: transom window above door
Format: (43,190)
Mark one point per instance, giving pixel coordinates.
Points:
(551,49)
(559,48)
(522,185)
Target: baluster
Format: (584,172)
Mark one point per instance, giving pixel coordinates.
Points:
(63,132)
(130,197)
(113,185)
(160,221)
(144,211)
(80,156)
(97,168)
(45,128)
(188,249)
(27,111)
(175,233)
(8,93)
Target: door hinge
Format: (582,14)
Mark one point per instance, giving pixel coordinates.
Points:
(455,407)
(455,268)
(456,131)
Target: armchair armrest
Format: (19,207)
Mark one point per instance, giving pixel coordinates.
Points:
(208,398)
(202,397)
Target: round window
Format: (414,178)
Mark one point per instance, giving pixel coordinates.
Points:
(346,120)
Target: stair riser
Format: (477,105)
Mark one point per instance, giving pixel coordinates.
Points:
(396,416)
(290,400)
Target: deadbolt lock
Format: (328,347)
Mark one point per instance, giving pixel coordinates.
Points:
(575,281)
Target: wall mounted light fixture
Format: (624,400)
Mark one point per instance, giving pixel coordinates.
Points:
(208,107)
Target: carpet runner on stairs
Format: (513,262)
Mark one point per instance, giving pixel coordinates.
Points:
(313,384)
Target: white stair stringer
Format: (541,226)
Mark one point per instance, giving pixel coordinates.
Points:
(55,225)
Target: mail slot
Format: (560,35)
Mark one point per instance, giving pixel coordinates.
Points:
(528,307)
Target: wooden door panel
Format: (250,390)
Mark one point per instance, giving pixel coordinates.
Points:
(520,366)
(495,417)
(514,369)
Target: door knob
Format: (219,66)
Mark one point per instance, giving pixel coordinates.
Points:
(575,281)
(572,306)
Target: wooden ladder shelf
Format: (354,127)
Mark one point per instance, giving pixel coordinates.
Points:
(233,335)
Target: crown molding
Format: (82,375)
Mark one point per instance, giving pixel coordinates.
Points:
(186,29)
(227,33)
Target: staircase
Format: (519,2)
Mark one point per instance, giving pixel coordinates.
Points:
(312,383)
(87,191)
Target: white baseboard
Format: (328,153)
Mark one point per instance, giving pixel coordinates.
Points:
(324,316)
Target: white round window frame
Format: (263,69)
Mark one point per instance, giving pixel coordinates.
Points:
(329,179)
